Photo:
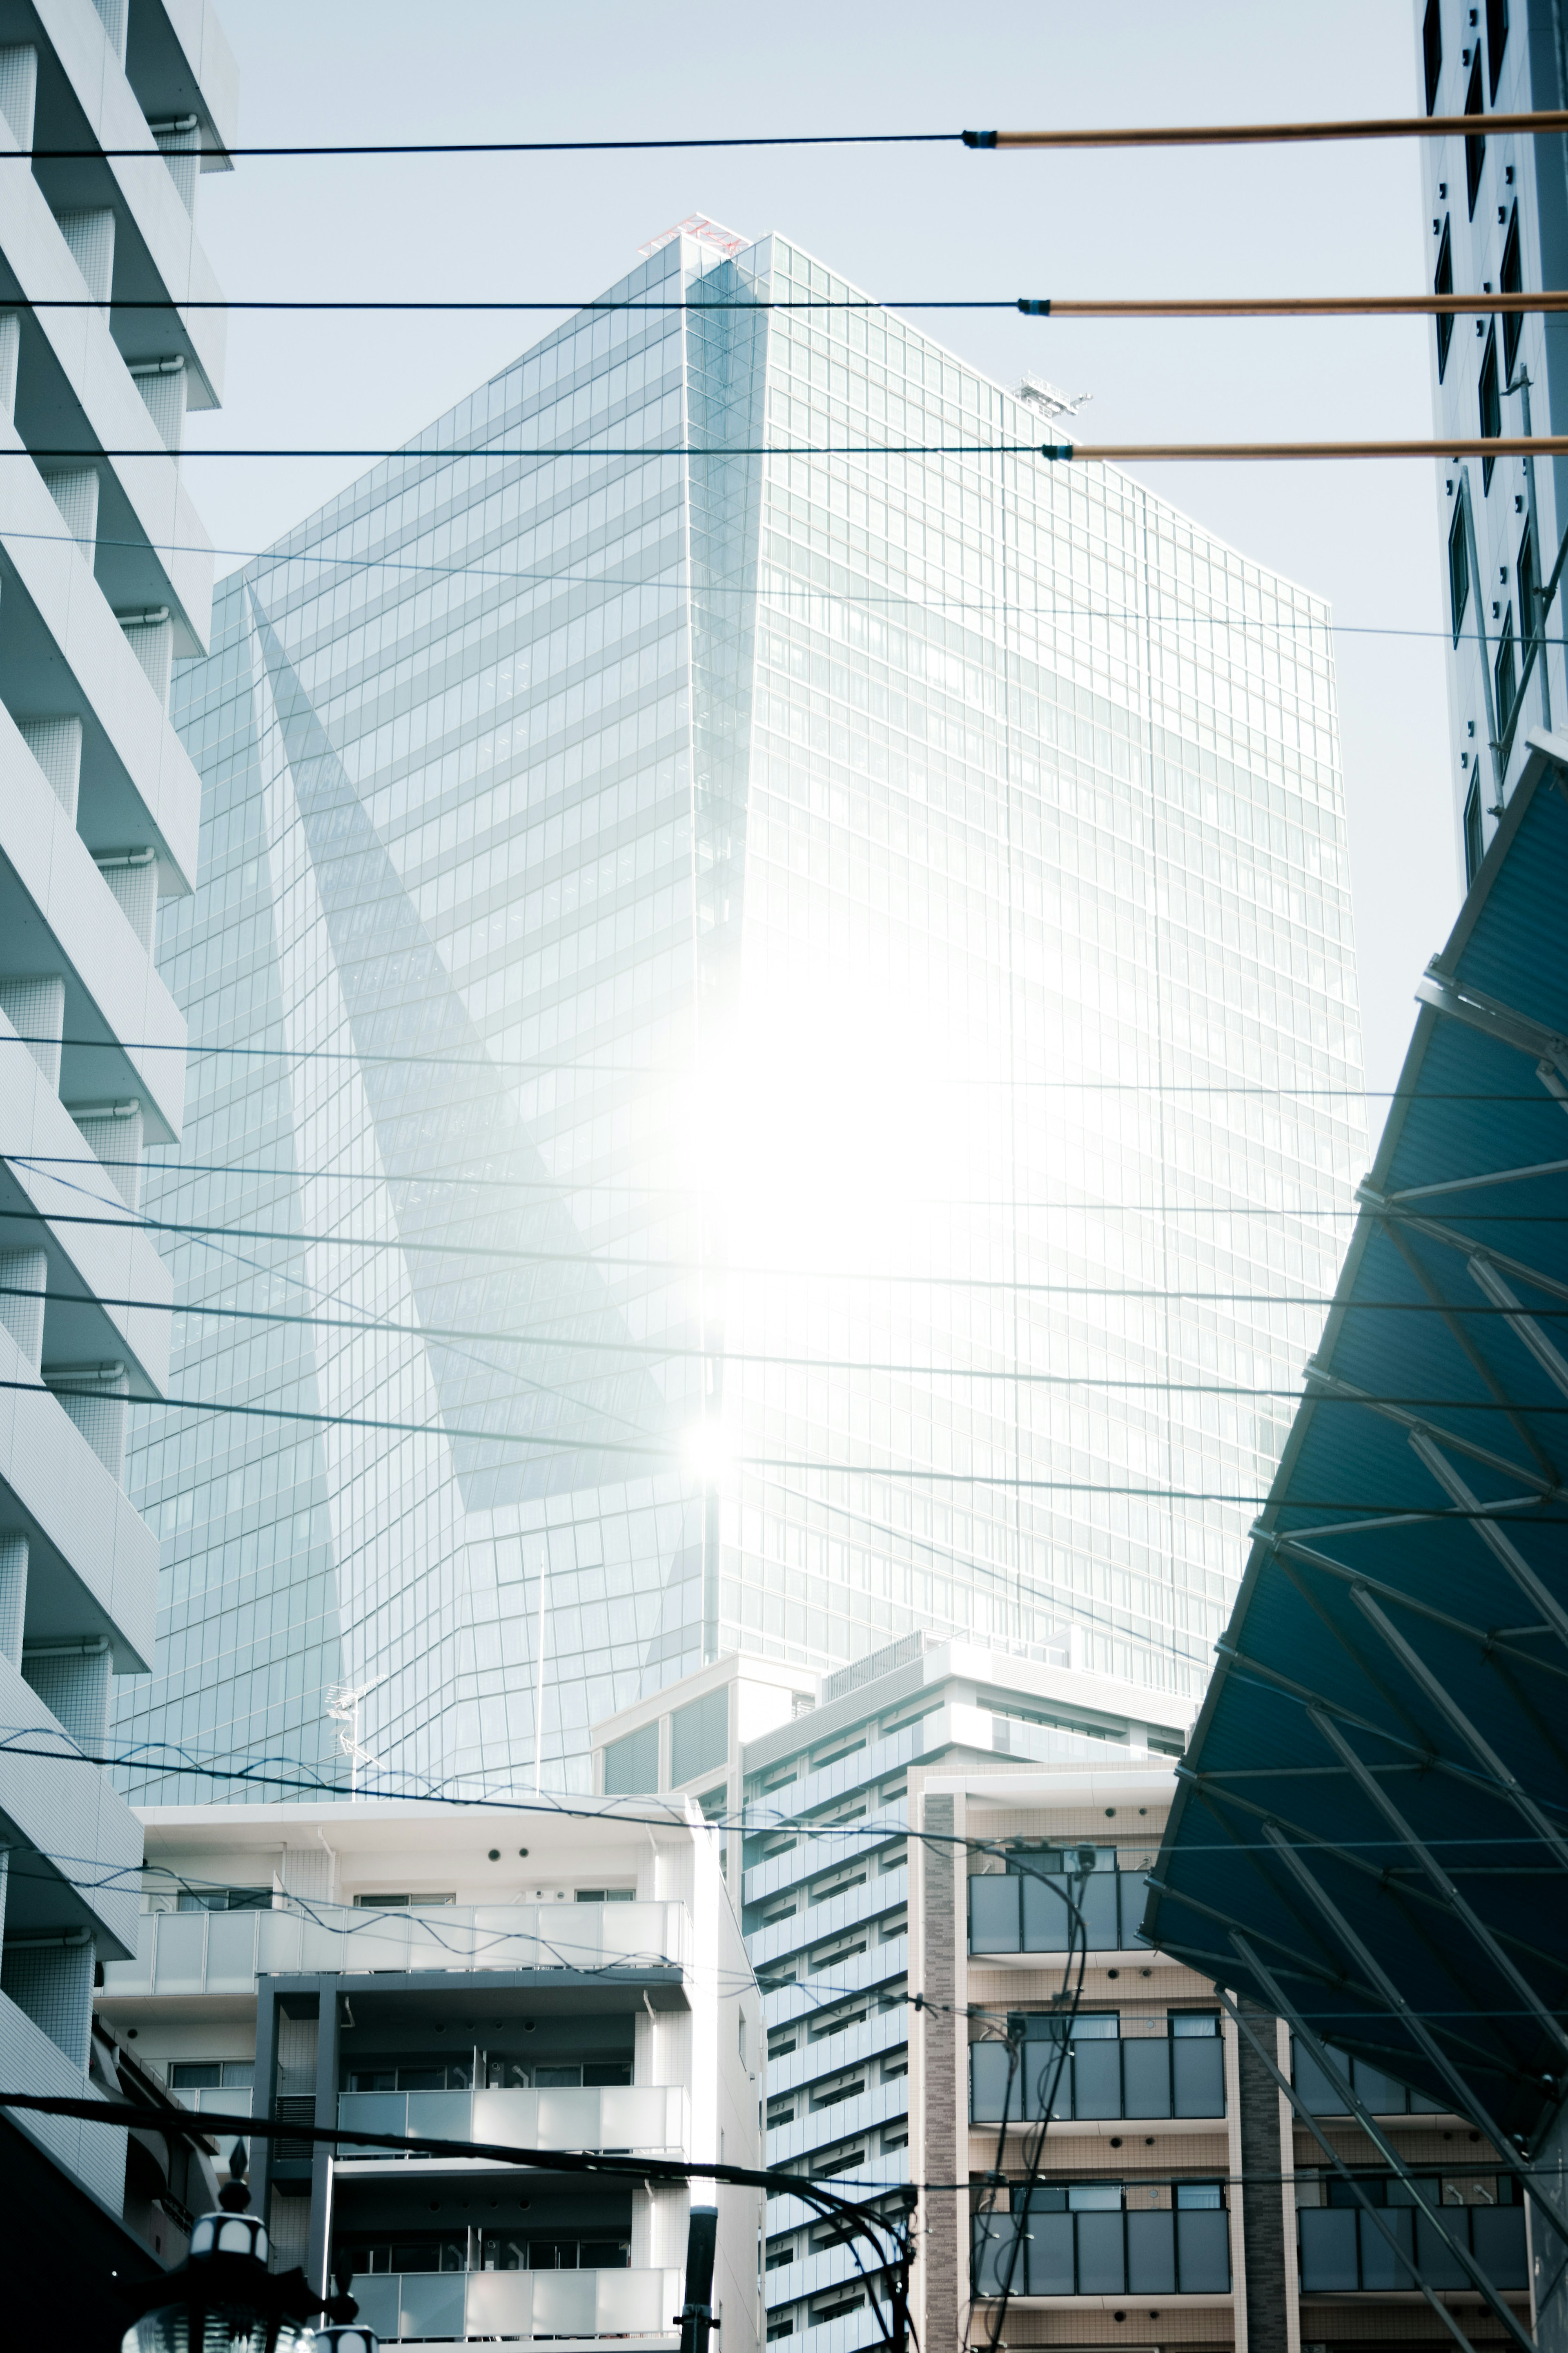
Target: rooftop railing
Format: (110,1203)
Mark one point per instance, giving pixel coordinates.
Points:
(225,1952)
(1028,1912)
(1343,2253)
(402,2305)
(647,2119)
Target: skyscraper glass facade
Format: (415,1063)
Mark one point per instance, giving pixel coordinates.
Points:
(803,1004)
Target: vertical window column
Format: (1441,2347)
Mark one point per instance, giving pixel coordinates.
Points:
(150,634)
(94,1396)
(13,1616)
(20,92)
(56,745)
(113,1132)
(162,384)
(72,1680)
(90,235)
(180,145)
(133,876)
(24,1278)
(50,1980)
(35,1006)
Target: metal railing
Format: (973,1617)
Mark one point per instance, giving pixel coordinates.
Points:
(650,2119)
(400,2305)
(225,1952)
(1344,2252)
(1024,1912)
(1164,2252)
(1146,2076)
(1375,2090)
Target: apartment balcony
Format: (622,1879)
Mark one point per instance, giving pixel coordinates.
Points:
(1024,1912)
(1163,2251)
(1146,2077)
(184,1954)
(1343,2253)
(579,2306)
(640,2119)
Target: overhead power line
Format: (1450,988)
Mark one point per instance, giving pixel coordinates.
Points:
(1542,445)
(1239,306)
(1271,135)
(1223,134)
(369,1058)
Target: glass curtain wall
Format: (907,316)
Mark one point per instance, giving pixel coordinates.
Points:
(808,1037)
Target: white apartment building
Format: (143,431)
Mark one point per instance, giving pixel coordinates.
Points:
(574,1982)
(1497,208)
(105,579)
(1124,2167)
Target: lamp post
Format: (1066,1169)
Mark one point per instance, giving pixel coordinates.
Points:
(224,2299)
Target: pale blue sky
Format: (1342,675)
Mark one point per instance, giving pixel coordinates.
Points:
(905,224)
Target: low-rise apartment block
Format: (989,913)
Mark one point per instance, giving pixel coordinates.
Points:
(569,1982)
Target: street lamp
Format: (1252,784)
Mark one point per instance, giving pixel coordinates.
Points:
(224,2299)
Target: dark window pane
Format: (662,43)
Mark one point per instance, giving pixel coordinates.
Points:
(1321,2098)
(988,2076)
(1328,2250)
(1096,2078)
(1050,2248)
(1380,2267)
(1202,2253)
(1443,284)
(1496,2234)
(1442,2268)
(1504,674)
(1198,2077)
(1491,406)
(1152,2253)
(1511,281)
(1497,42)
(607,2070)
(1101,2254)
(1459,569)
(1146,2076)
(1097,1901)
(198,2076)
(1049,1925)
(1475,149)
(993,1916)
(1432,49)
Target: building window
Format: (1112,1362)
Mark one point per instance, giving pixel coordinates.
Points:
(1491,406)
(1443,284)
(1459,569)
(1475,149)
(1497,42)
(1503,675)
(1524,574)
(1475,844)
(1432,50)
(1511,281)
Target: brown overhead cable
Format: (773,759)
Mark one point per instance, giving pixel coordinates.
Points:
(1544,444)
(1261,135)
(1299,306)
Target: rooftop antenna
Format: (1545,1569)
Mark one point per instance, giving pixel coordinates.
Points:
(343,1707)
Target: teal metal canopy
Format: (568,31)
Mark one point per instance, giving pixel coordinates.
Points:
(1372,1823)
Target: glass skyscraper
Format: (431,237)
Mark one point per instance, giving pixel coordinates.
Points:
(773,1049)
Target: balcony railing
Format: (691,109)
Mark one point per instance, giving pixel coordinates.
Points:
(1375,2090)
(1023,1912)
(1149,2076)
(518,2303)
(225,1952)
(1344,2252)
(1168,2252)
(647,2118)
